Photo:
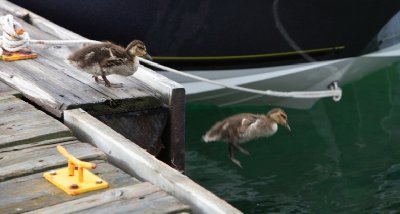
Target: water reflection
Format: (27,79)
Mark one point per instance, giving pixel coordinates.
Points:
(340,157)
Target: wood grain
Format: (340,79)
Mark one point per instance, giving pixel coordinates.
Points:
(139,198)
(55,85)
(7,90)
(20,162)
(22,123)
(32,192)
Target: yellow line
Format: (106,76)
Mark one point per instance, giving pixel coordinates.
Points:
(290,53)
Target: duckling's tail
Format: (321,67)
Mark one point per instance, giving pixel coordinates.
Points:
(211,136)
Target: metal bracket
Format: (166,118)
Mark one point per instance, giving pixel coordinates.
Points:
(334,86)
(71,182)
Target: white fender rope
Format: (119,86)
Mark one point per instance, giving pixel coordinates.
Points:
(12,42)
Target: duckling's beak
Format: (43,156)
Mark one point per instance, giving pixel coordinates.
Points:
(288,127)
(147,56)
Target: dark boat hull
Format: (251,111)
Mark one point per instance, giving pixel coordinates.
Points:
(220,33)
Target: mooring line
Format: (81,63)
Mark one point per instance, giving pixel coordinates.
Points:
(14,41)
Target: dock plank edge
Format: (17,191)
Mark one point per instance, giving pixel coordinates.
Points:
(137,162)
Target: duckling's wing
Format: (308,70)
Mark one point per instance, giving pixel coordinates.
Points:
(98,53)
(113,55)
(111,62)
(245,121)
(230,127)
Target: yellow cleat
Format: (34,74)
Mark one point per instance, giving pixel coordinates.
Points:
(76,178)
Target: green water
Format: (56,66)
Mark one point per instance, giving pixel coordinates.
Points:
(341,157)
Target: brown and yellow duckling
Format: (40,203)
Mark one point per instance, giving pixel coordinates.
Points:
(241,128)
(107,58)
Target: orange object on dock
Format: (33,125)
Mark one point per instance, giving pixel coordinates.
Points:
(18,55)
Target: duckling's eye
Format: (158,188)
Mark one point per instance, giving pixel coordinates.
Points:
(284,116)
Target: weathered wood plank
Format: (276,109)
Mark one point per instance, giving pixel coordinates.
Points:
(53,59)
(21,123)
(21,162)
(134,160)
(34,192)
(28,126)
(54,92)
(130,98)
(16,115)
(12,105)
(7,90)
(68,87)
(139,198)
(38,143)
(155,203)
(173,95)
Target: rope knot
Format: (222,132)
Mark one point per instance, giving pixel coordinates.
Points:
(14,38)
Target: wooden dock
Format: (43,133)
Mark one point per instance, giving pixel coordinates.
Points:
(147,98)
(27,149)
(134,134)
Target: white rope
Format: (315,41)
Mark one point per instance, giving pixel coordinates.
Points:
(63,42)
(335,91)
(12,42)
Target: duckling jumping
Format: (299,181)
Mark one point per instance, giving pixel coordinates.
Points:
(244,127)
(107,58)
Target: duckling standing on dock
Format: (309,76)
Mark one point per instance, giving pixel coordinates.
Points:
(107,58)
(244,127)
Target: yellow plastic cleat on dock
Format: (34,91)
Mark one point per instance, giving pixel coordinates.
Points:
(76,178)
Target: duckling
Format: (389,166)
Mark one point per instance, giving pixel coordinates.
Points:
(107,58)
(241,128)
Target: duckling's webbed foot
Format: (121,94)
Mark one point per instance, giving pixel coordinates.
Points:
(115,85)
(107,83)
(236,161)
(97,79)
(232,156)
